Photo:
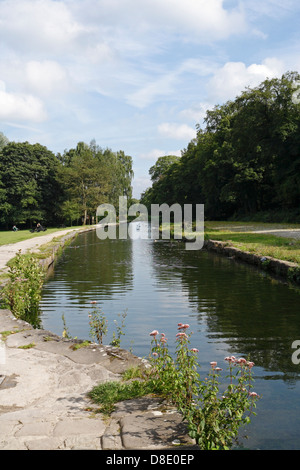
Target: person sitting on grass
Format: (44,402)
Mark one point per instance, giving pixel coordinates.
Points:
(38,228)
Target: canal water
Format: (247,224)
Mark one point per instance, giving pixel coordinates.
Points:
(232,309)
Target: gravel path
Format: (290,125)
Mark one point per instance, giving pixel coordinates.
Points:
(7,252)
(279,232)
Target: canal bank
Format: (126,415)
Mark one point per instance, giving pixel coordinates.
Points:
(45,379)
(160,264)
(44,405)
(286,270)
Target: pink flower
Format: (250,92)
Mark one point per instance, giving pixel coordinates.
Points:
(241,360)
(153,333)
(154,354)
(253,394)
(181,335)
(183,327)
(230,359)
(93,301)
(218,369)
(213,364)
(250,364)
(195,350)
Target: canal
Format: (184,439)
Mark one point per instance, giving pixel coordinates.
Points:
(232,309)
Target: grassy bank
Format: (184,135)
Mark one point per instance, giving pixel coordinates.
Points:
(8,236)
(243,236)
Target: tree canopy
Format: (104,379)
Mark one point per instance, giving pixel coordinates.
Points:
(38,186)
(246,161)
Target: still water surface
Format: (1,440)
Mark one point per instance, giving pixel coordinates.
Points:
(231,308)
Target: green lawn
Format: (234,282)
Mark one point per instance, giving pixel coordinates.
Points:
(9,236)
(240,235)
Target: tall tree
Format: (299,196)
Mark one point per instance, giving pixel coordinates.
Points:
(29,189)
(247,158)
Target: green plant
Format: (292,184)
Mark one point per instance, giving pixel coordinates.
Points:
(98,325)
(116,341)
(132,373)
(27,346)
(109,393)
(83,344)
(65,333)
(213,417)
(22,293)
(294,275)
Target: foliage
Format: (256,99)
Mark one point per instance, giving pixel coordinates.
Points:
(116,341)
(214,417)
(245,162)
(91,176)
(3,140)
(22,293)
(38,186)
(108,393)
(294,275)
(98,325)
(161,166)
(28,186)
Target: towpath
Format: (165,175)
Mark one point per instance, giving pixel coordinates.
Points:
(44,385)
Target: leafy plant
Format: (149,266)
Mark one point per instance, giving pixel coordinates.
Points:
(116,341)
(214,417)
(22,293)
(109,393)
(98,325)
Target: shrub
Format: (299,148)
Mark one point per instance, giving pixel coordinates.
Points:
(22,293)
(213,417)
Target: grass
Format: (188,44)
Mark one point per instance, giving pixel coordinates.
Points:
(241,235)
(263,244)
(8,236)
(27,346)
(107,394)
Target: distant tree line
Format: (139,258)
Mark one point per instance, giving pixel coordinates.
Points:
(245,163)
(38,186)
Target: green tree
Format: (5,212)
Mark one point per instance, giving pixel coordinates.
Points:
(3,141)
(92,176)
(161,166)
(245,161)
(28,185)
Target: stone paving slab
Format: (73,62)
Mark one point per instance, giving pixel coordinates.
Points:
(44,403)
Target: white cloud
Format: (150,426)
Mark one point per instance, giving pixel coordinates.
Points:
(139,185)
(20,107)
(230,80)
(38,25)
(197,112)
(197,19)
(162,86)
(177,131)
(156,153)
(46,77)
(271,8)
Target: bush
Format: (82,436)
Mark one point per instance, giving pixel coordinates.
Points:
(22,293)
(213,417)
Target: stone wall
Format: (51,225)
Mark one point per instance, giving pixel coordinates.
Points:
(284,269)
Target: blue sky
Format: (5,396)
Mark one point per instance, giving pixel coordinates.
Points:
(135,75)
